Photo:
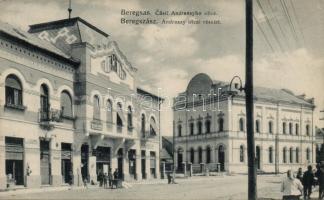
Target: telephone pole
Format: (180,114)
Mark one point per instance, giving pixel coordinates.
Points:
(252,193)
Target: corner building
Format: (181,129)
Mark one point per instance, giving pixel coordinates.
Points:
(71,108)
(210,128)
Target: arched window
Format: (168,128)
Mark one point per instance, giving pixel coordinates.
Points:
(270,155)
(284,127)
(191,128)
(66,104)
(179,130)
(153,127)
(284,155)
(44,103)
(13,91)
(207,124)
(307,130)
(290,128)
(96,108)
(297,129)
(307,154)
(257,126)
(109,111)
(199,126)
(297,155)
(220,124)
(119,115)
(143,122)
(200,155)
(208,151)
(241,124)
(270,127)
(291,160)
(192,155)
(129,118)
(241,153)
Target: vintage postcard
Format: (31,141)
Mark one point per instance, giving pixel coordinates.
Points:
(161,99)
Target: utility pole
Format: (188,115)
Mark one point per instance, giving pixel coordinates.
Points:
(70,9)
(252,193)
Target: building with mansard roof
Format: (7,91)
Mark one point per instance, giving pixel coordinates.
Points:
(71,108)
(210,128)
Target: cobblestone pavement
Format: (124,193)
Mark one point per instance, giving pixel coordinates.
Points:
(221,187)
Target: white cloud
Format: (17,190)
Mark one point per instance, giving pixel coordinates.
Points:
(22,14)
(169,41)
(222,68)
(231,12)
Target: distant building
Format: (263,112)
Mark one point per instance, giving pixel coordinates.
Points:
(71,108)
(210,128)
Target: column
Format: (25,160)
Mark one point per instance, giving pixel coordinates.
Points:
(148,164)
(125,164)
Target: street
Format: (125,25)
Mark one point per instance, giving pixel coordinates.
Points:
(214,187)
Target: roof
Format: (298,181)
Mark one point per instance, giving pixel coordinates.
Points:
(24,37)
(165,155)
(53,24)
(202,84)
(144,92)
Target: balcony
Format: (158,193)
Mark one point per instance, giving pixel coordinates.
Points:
(96,125)
(119,128)
(47,119)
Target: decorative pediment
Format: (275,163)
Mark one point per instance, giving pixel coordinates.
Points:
(258,115)
(241,114)
(191,119)
(112,53)
(199,118)
(207,116)
(270,117)
(220,114)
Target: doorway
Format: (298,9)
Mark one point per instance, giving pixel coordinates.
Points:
(132,163)
(180,160)
(221,157)
(84,162)
(14,160)
(66,163)
(120,158)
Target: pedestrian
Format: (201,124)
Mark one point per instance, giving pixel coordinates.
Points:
(300,174)
(100,177)
(105,180)
(169,178)
(110,177)
(320,177)
(85,183)
(70,179)
(116,174)
(308,182)
(291,187)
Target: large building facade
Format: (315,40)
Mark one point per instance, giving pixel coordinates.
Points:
(210,128)
(71,108)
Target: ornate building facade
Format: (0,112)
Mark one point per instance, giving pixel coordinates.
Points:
(71,108)
(209,126)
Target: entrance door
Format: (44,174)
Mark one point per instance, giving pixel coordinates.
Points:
(180,160)
(221,157)
(84,161)
(120,163)
(143,165)
(45,162)
(258,156)
(14,160)
(132,163)
(66,168)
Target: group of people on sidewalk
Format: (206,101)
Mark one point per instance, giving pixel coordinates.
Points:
(294,186)
(106,179)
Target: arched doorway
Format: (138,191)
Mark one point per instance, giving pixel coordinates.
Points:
(120,157)
(180,160)
(221,157)
(258,157)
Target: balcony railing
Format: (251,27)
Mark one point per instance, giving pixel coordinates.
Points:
(52,115)
(119,128)
(96,125)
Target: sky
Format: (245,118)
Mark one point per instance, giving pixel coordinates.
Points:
(288,42)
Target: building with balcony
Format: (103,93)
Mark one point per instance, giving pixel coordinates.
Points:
(210,128)
(71,108)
